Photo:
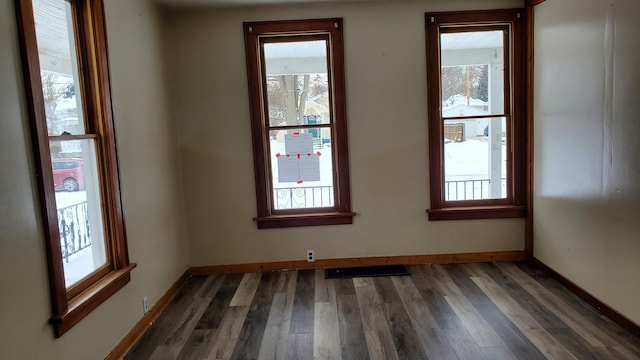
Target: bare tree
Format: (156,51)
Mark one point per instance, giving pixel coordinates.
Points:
(53,91)
(290,97)
(468,80)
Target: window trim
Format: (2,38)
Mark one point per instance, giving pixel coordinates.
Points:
(267,216)
(514,205)
(70,305)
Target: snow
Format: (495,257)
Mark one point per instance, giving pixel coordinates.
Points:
(469,160)
(67,104)
(69,198)
(462,110)
(460,99)
(81,263)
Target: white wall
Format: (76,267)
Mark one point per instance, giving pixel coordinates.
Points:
(587,153)
(386,101)
(151,188)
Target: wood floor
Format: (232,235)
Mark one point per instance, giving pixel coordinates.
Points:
(463,311)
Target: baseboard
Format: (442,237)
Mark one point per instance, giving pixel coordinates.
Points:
(607,311)
(143,325)
(366,261)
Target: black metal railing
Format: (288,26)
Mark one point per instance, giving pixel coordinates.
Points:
(73,224)
(303,197)
(469,189)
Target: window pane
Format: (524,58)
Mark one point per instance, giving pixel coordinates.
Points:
(301,168)
(475,165)
(78,204)
(58,66)
(472,73)
(297,83)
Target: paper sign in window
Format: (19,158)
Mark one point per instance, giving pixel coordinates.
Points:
(301,143)
(309,167)
(299,168)
(288,169)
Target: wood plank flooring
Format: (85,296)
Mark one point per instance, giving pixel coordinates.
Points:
(486,311)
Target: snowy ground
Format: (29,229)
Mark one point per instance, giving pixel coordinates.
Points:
(469,160)
(69,198)
(81,263)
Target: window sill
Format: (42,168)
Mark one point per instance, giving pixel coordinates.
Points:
(477,212)
(87,301)
(312,219)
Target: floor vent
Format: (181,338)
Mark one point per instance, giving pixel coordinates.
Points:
(365,271)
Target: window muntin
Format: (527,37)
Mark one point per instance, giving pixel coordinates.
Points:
(296,86)
(476,126)
(64,60)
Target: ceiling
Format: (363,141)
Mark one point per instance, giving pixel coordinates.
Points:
(52,26)
(472,40)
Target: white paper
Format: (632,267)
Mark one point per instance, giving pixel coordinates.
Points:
(309,167)
(298,144)
(288,169)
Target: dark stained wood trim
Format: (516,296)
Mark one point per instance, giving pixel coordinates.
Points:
(267,216)
(529,102)
(533,2)
(477,212)
(470,17)
(338,103)
(354,262)
(606,310)
(316,219)
(38,124)
(120,248)
(82,285)
(519,122)
(436,135)
(83,304)
(147,320)
(255,109)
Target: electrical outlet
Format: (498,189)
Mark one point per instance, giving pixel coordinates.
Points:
(145,305)
(311,255)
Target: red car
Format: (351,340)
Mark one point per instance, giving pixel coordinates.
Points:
(68,174)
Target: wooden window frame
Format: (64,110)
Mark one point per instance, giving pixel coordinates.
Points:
(70,305)
(330,29)
(514,205)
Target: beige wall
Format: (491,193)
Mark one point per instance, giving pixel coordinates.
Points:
(587,152)
(386,100)
(151,194)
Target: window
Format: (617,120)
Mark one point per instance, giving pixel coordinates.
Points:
(298,119)
(476,117)
(67,81)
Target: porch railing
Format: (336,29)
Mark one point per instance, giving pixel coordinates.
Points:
(470,189)
(73,224)
(322,196)
(303,197)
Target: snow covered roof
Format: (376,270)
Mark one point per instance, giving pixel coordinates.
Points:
(463,110)
(457,106)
